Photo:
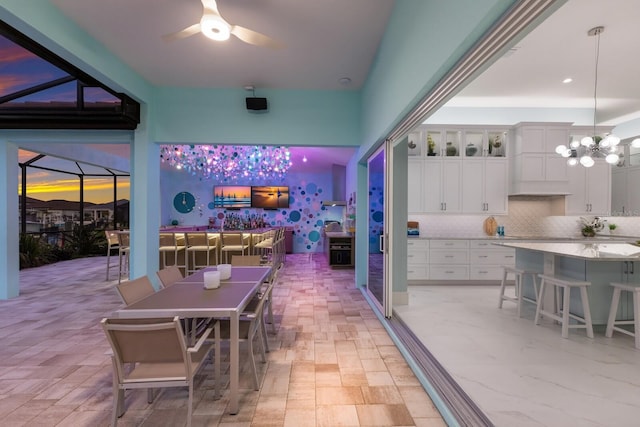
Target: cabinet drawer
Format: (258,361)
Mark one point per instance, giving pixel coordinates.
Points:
(449,244)
(449,272)
(418,257)
(417,245)
(455,256)
(483,244)
(416,272)
(481,272)
(488,257)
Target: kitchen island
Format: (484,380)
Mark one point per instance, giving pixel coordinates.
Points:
(598,263)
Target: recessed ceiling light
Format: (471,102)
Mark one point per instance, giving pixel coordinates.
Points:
(567,80)
(345,81)
(304,159)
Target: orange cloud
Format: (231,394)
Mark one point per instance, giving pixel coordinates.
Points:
(14,53)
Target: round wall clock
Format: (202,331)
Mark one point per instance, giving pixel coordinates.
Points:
(184,202)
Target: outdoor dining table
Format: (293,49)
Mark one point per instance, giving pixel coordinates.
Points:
(189,299)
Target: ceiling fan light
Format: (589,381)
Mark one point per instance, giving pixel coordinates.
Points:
(605,142)
(635,143)
(586,141)
(612,158)
(215,28)
(566,153)
(561,149)
(575,143)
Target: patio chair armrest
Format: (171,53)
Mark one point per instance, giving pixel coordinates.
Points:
(201,340)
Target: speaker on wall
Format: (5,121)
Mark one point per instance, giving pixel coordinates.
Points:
(254,103)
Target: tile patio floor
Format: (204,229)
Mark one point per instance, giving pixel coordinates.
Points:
(331,361)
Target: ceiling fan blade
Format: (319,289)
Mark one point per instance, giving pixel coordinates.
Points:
(254,38)
(210,5)
(187,32)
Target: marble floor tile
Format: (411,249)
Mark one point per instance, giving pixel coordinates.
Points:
(518,373)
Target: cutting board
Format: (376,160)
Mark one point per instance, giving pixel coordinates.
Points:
(490,226)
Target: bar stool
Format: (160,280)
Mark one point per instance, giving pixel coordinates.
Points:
(200,242)
(112,245)
(234,242)
(612,322)
(563,315)
(172,243)
(123,254)
(519,297)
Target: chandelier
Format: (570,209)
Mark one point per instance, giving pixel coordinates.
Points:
(585,150)
(228,163)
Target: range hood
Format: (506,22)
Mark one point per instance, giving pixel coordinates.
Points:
(339,175)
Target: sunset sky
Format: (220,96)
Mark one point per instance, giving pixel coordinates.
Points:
(46,185)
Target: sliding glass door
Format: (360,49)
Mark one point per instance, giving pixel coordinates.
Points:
(377,271)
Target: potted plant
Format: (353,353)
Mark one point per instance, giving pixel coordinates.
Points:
(612,227)
(431,146)
(589,226)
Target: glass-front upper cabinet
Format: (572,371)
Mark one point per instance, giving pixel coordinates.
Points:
(460,141)
(474,144)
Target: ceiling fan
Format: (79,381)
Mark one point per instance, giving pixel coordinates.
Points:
(213,25)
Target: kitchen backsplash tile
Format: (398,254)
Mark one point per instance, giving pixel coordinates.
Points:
(528,216)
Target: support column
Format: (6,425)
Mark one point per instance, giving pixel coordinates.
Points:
(145,202)
(9,225)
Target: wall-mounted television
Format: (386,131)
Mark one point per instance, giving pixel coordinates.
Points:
(269,197)
(232,196)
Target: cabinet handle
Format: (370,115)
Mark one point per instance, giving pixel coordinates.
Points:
(483,256)
(449,272)
(482,272)
(448,256)
(631,264)
(445,206)
(509,256)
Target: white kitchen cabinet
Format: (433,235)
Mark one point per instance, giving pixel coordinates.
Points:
(486,260)
(415,180)
(441,185)
(484,186)
(418,260)
(625,192)
(449,260)
(459,260)
(536,168)
(590,189)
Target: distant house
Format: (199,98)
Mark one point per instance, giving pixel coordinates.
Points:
(63,214)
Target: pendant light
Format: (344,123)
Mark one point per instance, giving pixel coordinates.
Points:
(584,151)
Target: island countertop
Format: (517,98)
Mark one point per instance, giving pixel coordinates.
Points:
(610,251)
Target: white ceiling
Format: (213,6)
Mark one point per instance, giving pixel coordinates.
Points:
(531,75)
(331,39)
(324,41)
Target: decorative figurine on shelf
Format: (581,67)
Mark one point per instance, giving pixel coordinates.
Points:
(451,149)
(495,146)
(431,146)
(470,150)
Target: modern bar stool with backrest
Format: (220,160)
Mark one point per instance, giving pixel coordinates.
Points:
(173,243)
(519,276)
(123,254)
(563,315)
(113,244)
(612,322)
(200,243)
(234,242)
(263,242)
